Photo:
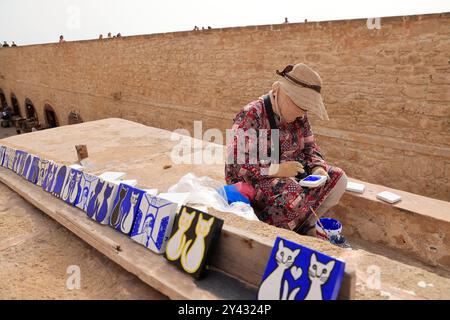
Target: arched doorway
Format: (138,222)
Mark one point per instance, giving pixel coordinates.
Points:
(74,118)
(50,116)
(3,102)
(15,105)
(30,110)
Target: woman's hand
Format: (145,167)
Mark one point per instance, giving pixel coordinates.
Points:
(286,169)
(320,171)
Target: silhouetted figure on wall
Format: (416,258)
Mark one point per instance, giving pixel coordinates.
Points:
(196,28)
(100,36)
(5,44)
(286,20)
(109,35)
(13,44)
(118,35)
(61,39)
(209,27)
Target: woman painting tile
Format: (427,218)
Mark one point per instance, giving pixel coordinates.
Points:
(280,200)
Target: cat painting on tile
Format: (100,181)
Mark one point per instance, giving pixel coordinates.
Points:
(128,217)
(117,211)
(318,274)
(59,181)
(270,288)
(68,186)
(93,204)
(75,191)
(177,241)
(34,170)
(22,163)
(191,257)
(26,166)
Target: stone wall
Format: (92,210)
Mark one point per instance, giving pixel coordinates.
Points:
(387,90)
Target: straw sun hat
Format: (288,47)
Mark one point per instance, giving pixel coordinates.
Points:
(303,85)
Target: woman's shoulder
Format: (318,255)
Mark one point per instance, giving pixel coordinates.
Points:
(252,111)
(255,108)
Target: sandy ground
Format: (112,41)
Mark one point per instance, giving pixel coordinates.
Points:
(35,251)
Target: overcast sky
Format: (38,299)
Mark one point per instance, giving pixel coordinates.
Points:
(40,21)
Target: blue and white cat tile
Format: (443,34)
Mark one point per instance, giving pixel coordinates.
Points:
(44,164)
(153,223)
(26,166)
(72,189)
(112,175)
(76,166)
(16,160)
(125,209)
(10,154)
(60,180)
(19,161)
(101,201)
(2,154)
(88,184)
(295,272)
(130,182)
(50,177)
(194,237)
(5,156)
(33,170)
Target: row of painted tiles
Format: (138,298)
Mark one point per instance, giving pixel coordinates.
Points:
(145,218)
(148,220)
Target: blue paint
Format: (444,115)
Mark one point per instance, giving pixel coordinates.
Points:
(330,224)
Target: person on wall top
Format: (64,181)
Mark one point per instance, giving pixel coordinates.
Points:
(279,199)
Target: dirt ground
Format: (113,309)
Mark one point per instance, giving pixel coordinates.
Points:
(36,252)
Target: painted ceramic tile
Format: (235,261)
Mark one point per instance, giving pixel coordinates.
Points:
(43,167)
(88,184)
(60,180)
(112,175)
(125,208)
(71,191)
(50,177)
(295,272)
(194,235)
(101,201)
(19,161)
(27,165)
(33,171)
(153,224)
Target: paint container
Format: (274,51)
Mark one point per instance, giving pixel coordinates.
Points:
(332,227)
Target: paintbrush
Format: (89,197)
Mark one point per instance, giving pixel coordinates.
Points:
(320,223)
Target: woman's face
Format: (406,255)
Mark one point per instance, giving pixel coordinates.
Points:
(288,109)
